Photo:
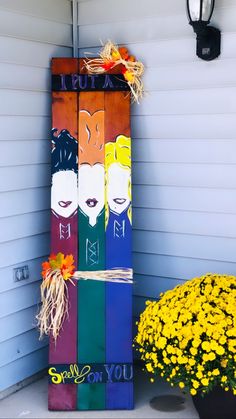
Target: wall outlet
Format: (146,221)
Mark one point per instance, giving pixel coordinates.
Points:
(21,273)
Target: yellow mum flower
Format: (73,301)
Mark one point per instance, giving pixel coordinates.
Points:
(199,375)
(206,346)
(181,384)
(193,351)
(149,367)
(223,379)
(220,350)
(196,343)
(211,356)
(224,363)
(205,381)
(195,383)
(216,371)
(193,392)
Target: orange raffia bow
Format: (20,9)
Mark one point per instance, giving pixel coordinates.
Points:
(109,57)
(54,293)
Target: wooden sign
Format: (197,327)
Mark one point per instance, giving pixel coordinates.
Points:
(91,361)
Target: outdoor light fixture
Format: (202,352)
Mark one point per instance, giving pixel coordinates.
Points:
(208,37)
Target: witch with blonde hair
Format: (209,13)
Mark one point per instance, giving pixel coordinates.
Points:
(118,202)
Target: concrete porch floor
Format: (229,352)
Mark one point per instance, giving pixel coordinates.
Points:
(31,402)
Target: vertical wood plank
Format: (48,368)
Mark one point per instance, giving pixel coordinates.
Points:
(91,294)
(64,203)
(118,242)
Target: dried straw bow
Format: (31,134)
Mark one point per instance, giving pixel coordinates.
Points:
(110,57)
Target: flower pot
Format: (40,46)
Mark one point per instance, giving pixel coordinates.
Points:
(218,404)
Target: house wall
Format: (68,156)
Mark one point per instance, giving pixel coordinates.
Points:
(184,139)
(184,151)
(31,32)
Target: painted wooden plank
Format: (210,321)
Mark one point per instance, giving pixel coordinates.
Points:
(34,28)
(24,177)
(91,294)
(19,298)
(17,323)
(20,51)
(64,226)
(46,9)
(16,102)
(25,248)
(23,128)
(193,199)
(16,153)
(35,199)
(202,247)
(25,77)
(152,286)
(202,101)
(178,267)
(145,9)
(150,28)
(25,225)
(185,174)
(118,242)
(190,127)
(154,53)
(20,346)
(188,222)
(35,267)
(23,368)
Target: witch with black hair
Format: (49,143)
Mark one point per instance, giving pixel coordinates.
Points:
(64,193)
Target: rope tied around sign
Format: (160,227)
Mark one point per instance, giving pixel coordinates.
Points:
(54,290)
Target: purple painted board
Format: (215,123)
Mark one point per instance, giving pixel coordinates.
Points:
(64,225)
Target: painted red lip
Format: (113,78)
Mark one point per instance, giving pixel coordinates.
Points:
(91,202)
(119,201)
(64,204)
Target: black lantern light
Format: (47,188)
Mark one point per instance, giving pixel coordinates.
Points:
(208,37)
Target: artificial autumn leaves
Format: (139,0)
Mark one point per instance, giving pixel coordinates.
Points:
(59,262)
(123,53)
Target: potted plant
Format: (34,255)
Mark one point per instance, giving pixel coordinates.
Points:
(188,337)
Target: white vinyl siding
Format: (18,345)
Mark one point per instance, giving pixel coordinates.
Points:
(184,139)
(31,33)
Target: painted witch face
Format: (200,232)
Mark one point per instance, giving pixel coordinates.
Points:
(118,188)
(64,196)
(91,190)
(64,193)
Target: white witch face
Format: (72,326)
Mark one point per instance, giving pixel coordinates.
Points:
(118,188)
(91,190)
(64,195)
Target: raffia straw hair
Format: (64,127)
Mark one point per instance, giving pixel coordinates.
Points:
(124,275)
(54,309)
(135,69)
